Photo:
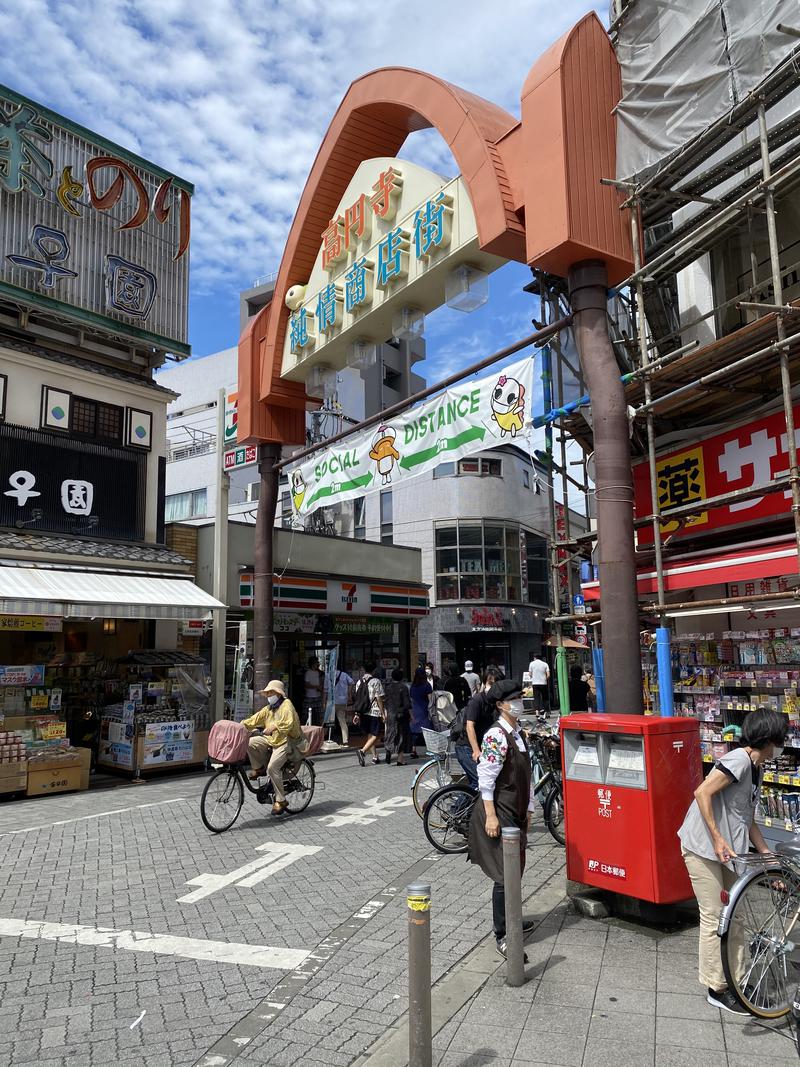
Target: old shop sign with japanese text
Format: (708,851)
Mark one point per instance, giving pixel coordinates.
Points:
(87,227)
(742,458)
(396,234)
(466,418)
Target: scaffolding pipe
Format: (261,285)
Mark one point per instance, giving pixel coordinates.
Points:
(776,485)
(731,602)
(613,485)
(777,296)
(707,379)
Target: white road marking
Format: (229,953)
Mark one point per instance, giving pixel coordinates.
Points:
(373,809)
(278,855)
(136,1022)
(95,815)
(190,948)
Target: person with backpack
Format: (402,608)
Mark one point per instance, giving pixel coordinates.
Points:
(398,717)
(369,712)
(468,730)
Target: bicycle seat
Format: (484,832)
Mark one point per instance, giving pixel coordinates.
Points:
(789,849)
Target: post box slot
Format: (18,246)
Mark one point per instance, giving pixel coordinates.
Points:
(582,756)
(626,762)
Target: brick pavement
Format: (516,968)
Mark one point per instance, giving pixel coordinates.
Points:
(599,990)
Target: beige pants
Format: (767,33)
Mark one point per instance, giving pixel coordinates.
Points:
(262,754)
(709,878)
(341,716)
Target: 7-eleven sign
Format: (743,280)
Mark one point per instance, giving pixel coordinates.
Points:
(246,590)
(231,418)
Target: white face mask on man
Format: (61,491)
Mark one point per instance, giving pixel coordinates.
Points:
(514,708)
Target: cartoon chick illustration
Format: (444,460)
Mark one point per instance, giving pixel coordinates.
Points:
(508,405)
(384,453)
(298,489)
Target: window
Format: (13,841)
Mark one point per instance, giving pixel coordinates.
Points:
(286,511)
(538,566)
(360,518)
(526,478)
(254,491)
(96,421)
(478,560)
(484,467)
(387,522)
(444,470)
(181,506)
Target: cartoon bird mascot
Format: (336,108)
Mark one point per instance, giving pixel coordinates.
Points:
(508,405)
(384,453)
(298,490)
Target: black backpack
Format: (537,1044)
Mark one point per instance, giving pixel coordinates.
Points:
(362,705)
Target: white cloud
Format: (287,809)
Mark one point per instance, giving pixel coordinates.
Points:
(235,95)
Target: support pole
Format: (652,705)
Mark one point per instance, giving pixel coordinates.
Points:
(418,899)
(777,296)
(666,697)
(613,487)
(220,587)
(263,613)
(562,677)
(512,882)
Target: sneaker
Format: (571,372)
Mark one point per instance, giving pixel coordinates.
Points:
(501,948)
(360,755)
(723,998)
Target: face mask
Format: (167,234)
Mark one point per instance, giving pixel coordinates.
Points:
(273,701)
(428,671)
(777,750)
(514,708)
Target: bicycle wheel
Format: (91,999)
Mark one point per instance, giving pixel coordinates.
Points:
(759,959)
(554,814)
(222,800)
(431,776)
(446,818)
(300,788)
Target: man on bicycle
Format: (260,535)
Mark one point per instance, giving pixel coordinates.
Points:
(279,743)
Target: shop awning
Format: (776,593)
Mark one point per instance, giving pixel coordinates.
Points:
(769,559)
(86,594)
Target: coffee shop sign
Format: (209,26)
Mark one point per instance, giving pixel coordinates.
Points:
(430,231)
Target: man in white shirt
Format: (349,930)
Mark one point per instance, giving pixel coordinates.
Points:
(471,678)
(506,799)
(540,676)
(342,697)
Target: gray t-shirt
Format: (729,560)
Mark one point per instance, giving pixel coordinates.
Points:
(734,809)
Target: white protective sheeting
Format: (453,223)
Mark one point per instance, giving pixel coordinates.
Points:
(684,64)
(82,594)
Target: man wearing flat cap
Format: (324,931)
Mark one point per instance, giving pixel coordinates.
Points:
(504,782)
(280,742)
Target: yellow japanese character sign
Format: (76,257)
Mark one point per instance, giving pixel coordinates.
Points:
(681,480)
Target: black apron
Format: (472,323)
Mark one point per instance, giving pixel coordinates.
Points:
(512,791)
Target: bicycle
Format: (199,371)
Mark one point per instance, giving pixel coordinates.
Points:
(760,959)
(545,752)
(223,796)
(436,773)
(447,813)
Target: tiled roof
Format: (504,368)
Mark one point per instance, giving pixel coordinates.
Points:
(82,546)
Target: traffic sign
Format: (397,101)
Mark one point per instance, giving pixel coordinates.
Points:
(578,604)
(236,458)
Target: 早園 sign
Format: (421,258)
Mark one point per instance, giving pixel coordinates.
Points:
(87,227)
(467,418)
(396,234)
(742,458)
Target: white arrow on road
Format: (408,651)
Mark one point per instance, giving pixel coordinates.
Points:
(373,809)
(277,856)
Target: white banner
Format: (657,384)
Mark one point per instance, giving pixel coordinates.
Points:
(466,418)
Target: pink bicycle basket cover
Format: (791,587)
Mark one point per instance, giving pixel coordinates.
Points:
(314,736)
(227,742)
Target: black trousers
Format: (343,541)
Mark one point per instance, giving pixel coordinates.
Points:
(499,910)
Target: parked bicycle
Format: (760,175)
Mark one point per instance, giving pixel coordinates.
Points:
(223,796)
(759,933)
(447,813)
(441,769)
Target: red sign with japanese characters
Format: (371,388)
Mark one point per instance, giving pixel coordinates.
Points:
(742,458)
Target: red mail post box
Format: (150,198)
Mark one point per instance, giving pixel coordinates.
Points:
(628,781)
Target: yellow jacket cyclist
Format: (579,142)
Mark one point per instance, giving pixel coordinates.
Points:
(281,741)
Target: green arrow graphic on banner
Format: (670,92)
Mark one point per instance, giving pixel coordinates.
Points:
(474,433)
(340,487)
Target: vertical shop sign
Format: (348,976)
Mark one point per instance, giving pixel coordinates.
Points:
(332,659)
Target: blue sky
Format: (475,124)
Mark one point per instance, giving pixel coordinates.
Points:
(236,95)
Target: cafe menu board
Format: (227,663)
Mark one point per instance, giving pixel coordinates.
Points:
(168,742)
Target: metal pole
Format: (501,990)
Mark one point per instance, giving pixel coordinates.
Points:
(220,565)
(613,487)
(418,900)
(777,296)
(402,405)
(263,612)
(512,881)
